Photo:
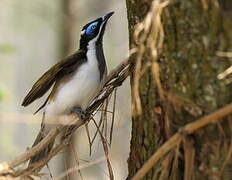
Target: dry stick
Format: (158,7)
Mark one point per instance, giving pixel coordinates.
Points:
(101,121)
(113,116)
(176,139)
(38,165)
(105,147)
(73,169)
(105,125)
(29,170)
(89,138)
(106,150)
(36,149)
(77,161)
(117,76)
(115,72)
(189,156)
(95,134)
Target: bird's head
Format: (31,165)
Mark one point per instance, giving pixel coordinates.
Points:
(92,33)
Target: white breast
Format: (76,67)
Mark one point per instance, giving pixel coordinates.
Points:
(80,89)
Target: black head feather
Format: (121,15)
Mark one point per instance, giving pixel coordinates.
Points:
(94,29)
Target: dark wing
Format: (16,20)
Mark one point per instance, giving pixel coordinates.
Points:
(59,70)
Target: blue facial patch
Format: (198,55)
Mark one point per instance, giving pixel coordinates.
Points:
(91,28)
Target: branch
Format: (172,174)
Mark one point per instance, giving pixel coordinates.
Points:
(176,138)
(115,79)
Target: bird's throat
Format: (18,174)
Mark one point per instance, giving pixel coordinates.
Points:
(97,48)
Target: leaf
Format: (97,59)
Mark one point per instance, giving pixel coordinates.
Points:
(7,48)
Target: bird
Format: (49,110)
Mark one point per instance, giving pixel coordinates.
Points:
(74,81)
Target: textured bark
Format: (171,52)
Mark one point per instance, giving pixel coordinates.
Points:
(194,31)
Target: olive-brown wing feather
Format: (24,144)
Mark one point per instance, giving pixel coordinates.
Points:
(61,69)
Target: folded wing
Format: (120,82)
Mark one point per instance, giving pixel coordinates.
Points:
(55,73)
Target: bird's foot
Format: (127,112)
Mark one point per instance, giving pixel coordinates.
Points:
(80,112)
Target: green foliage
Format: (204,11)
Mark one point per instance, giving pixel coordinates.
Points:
(7,48)
(3,93)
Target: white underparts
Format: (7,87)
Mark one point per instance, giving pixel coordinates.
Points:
(79,89)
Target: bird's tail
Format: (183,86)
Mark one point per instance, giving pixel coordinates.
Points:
(44,152)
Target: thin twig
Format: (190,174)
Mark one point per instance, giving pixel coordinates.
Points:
(77,160)
(73,169)
(113,117)
(36,149)
(176,139)
(89,138)
(106,150)
(114,80)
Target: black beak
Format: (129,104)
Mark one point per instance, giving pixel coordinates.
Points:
(107,16)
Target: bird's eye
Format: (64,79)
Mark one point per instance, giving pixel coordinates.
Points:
(90,30)
(93,27)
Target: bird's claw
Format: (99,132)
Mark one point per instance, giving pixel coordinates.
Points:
(80,112)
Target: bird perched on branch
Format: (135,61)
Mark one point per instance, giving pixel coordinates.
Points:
(76,80)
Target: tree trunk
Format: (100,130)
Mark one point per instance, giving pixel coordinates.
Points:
(68,45)
(68,24)
(189,64)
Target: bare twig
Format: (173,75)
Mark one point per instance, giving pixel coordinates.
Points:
(89,138)
(105,147)
(148,37)
(114,80)
(177,138)
(113,117)
(33,151)
(77,160)
(76,168)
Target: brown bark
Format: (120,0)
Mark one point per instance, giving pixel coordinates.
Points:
(194,31)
